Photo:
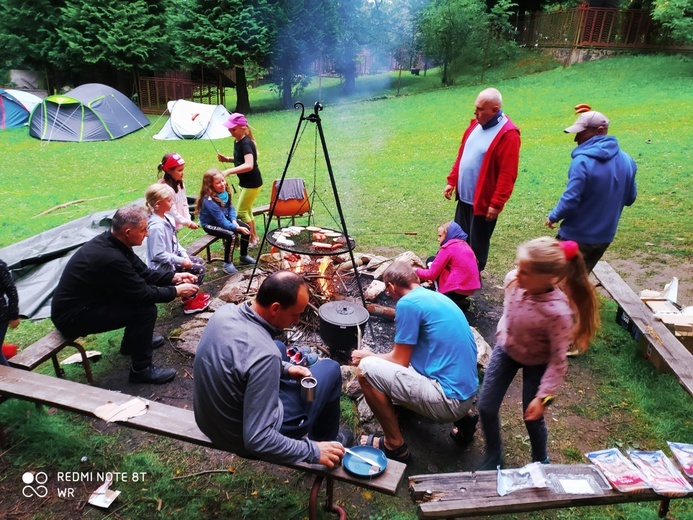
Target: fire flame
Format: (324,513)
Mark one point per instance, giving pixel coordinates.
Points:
(324,282)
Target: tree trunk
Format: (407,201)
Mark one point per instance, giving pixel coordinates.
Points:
(286,91)
(350,77)
(242,99)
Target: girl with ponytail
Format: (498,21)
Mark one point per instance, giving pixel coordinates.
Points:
(549,303)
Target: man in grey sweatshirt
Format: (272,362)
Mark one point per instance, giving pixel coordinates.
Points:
(246,396)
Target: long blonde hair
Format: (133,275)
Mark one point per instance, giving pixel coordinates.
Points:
(545,255)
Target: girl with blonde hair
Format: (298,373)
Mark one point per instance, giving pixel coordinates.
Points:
(244,161)
(549,303)
(164,252)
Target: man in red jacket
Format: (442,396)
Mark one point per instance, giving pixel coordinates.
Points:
(484,173)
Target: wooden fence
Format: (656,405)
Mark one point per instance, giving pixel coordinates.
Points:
(596,27)
(155,93)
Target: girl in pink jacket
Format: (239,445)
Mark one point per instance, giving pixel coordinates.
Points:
(454,269)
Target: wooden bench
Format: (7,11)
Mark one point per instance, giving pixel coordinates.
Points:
(48,347)
(462,495)
(202,243)
(173,422)
(659,337)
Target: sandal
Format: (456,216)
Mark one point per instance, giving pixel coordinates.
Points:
(465,429)
(400,454)
(301,356)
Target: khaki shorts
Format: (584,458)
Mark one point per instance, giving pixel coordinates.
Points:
(407,388)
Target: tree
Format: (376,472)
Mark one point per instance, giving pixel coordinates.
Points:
(224,34)
(112,35)
(676,15)
(452,29)
(304,30)
(28,32)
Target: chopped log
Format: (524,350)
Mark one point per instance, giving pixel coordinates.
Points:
(374,289)
(381,311)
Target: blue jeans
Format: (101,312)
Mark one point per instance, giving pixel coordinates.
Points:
(499,374)
(318,419)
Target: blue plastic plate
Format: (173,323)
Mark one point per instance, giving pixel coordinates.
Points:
(359,468)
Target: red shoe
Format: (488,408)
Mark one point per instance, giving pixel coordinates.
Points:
(197,304)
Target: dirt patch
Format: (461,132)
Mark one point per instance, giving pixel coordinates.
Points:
(573,430)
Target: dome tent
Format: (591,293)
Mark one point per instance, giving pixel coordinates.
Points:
(91,112)
(190,120)
(15,108)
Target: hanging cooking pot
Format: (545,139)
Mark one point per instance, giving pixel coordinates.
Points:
(339,325)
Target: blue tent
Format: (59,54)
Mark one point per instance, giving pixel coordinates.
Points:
(15,107)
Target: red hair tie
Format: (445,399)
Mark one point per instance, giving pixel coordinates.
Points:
(570,248)
(174,160)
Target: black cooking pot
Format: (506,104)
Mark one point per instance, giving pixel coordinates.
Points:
(339,324)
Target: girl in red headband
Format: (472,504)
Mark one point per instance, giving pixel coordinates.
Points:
(244,161)
(549,303)
(172,166)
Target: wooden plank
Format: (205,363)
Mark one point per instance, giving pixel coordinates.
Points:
(36,353)
(201,243)
(674,354)
(160,419)
(467,494)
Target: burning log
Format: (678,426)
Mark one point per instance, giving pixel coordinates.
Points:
(381,311)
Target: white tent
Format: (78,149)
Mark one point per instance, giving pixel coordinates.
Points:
(190,120)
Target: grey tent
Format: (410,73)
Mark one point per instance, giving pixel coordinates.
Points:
(37,263)
(91,112)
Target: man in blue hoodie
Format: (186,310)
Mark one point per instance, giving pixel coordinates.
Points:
(601,181)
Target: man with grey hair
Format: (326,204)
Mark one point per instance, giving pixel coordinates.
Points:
(484,173)
(601,182)
(105,286)
(431,369)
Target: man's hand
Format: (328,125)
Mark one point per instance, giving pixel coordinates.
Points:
(186,263)
(492,213)
(358,355)
(330,453)
(297,372)
(447,192)
(186,290)
(549,224)
(184,278)
(535,410)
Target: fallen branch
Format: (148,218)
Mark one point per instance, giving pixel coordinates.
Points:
(205,472)
(71,203)
(60,206)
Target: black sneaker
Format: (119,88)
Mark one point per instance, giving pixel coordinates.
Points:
(157,342)
(152,375)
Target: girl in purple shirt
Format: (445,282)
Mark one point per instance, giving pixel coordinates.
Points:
(549,303)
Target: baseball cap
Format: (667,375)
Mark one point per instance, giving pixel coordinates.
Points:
(235,120)
(591,119)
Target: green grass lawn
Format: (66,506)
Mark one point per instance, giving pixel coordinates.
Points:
(390,156)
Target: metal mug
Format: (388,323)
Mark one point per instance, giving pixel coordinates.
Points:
(308,385)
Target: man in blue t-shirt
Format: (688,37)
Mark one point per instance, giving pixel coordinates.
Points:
(431,369)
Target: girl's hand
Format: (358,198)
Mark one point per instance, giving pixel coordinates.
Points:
(297,372)
(224,158)
(358,355)
(13,323)
(243,231)
(535,410)
(193,225)
(187,263)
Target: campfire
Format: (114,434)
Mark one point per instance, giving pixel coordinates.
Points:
(336,321)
